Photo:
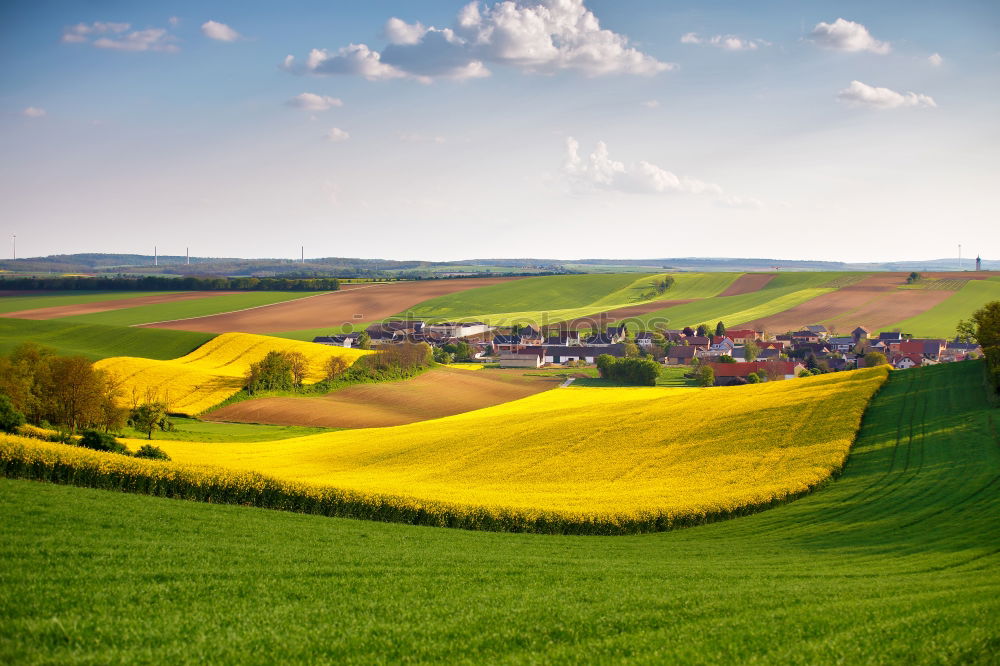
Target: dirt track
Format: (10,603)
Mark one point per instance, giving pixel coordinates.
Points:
(105,306)
(875,302)
(349,306)
(747,283)
(437,393)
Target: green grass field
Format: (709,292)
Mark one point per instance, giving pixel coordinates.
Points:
(201,307)
(940,320)
(193,430)
(896,562)
(51,299)
(96,341)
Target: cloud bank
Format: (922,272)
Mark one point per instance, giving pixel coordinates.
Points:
(118,37)
(313,102)
(862,94)
(726,42)
(843,35)
(544,37)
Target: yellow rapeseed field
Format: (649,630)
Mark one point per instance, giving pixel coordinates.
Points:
(213,372)
(652,457)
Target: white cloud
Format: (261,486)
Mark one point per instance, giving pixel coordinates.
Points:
(546,36)
(33,112)
(414,137)
(174,21)
(598,171)
(337,135)
(935,59)
(726,42)
(651,103)
(398,31)
(219,31)
(313,102)
(116,36)
(842,35)
(862,94)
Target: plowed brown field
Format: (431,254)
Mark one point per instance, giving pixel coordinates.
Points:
(105,306)
(875,302)
(747,283)
(436,393)
(348,306)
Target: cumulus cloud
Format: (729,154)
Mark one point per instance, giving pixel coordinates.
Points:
(219,31)
(33,112)
(546,36)
(935,59)
(727,42)
(598,171)
(117,36)
(862,94)
(843,35)
(337,135)
(313,102)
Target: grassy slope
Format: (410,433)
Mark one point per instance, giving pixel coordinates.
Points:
(96,341)
(51,299)
(896,562)
(783,292)
(193,430)
(940,320)
(200,307)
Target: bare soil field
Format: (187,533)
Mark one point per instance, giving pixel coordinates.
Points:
(359,303)
(747,283)
(435,393)
(873,303)
(598,320)
(105,306)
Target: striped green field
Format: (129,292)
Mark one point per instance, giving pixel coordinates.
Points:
(940,320)
(51,299)
(96,341)
(538,300)
(896,562)
(785,291)
(201,307)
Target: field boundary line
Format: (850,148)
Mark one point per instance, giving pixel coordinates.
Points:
(255,307)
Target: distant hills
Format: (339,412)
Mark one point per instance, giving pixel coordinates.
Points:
(139,264)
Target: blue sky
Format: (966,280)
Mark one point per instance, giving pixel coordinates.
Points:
(546,128)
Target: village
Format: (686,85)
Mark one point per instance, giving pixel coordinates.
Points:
(735,356)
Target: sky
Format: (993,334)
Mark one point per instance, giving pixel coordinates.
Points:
(845,131)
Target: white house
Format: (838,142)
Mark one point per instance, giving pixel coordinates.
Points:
(458,329)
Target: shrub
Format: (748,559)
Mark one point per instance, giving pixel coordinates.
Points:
(101,441)
(752,378)
(10,418)
(637,371)
(151,452)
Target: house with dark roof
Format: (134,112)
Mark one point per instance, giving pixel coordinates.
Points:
(680,355)
(507,343)
(576,353)
(526,358)
(890,336)
(841,344)
(860,333)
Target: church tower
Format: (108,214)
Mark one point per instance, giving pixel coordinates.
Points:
(979,263)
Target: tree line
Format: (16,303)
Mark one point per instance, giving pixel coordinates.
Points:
(161,283)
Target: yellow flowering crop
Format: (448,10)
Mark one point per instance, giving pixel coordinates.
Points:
(213,372)
(584,456)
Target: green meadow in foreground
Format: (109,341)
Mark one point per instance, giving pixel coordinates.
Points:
(194,430)
(898,561)
(97,341)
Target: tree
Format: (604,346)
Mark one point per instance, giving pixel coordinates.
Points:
(704,376)
(364,340)
(464,351)
(148,417)
(299,365)
(804,373)
(631,350)
(604,363)
(10,418)
(151,452)
(912,277)
(811,361)
(702,330)
(984,325)
(875,358)
(271,373)
(726,358)
(101,441)
(720,329)
(751,350)
(71,392)
(336,366)
(687,331)
(752,378)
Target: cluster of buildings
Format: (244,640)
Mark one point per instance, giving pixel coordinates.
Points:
(733,356)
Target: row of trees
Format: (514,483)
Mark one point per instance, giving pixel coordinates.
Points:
(158,282)
(42,388)
(983,327)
